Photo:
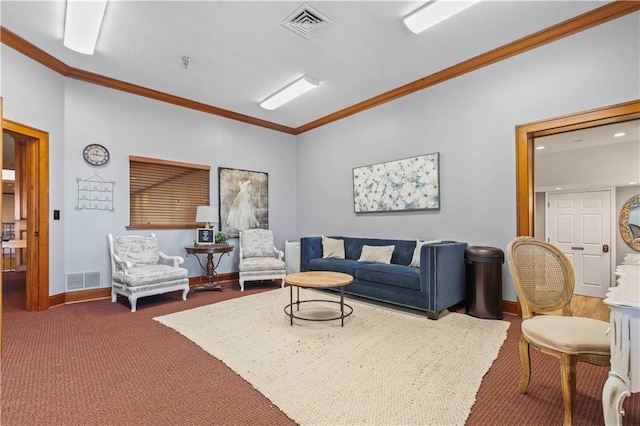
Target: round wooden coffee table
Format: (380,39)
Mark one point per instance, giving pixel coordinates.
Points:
(317,279)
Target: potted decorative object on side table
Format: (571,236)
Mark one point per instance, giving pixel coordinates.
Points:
(221,237)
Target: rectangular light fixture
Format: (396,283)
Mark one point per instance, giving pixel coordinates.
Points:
(289,92)
(82,24)
(435,12)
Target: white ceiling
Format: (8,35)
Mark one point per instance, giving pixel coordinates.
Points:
(587,138)
(240,53)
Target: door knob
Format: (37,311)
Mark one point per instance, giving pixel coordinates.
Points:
(605,248)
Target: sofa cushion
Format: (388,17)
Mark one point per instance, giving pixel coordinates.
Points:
(377,254)
(401,254)
(395,275)
(332,248)
(337,265)
(137,249)
(149,274)
(261,264)
(415,260)
(256,243)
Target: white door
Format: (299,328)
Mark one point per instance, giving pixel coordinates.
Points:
(579,224)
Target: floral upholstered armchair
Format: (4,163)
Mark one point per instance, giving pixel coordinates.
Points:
(259,257)
(139,269)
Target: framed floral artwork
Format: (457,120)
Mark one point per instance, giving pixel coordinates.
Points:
(400,185)
(243,200)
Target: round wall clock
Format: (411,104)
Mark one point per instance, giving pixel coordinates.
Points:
(96,154)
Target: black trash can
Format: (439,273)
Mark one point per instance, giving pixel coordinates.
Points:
(484,281)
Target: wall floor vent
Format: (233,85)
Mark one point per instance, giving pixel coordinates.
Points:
(75,281)
(306,21)
(82,280)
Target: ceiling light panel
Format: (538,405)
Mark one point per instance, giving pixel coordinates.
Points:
(289,92)
(435,12)
(83,20)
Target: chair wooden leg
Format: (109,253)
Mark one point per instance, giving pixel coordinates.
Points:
(525,360)
(568,365)
(185,292)
(133,301)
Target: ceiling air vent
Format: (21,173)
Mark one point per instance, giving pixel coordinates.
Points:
(306,21)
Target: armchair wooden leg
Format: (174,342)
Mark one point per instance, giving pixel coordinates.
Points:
(114,296)
(133,301)
(568,374)
(185,292)
(525,360)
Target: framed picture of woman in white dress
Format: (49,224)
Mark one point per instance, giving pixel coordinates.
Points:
(243,200)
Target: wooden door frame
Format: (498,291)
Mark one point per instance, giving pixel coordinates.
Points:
(525,135)
(37,291)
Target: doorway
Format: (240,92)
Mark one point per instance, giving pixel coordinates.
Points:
(525,170)
(525,157)
(32,226)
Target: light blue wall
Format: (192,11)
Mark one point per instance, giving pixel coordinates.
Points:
(76,114)
(33,95)
(133,125)
(471,121)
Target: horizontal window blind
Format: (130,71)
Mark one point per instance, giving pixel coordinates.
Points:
(166,193)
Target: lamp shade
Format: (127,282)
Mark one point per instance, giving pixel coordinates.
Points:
(206,214)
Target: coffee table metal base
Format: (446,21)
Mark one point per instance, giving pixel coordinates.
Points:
(288,310)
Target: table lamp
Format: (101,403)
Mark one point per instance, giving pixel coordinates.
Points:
(206,214)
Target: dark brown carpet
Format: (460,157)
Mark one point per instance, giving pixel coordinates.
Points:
(96,363)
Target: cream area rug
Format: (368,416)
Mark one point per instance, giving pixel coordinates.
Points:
(384,367)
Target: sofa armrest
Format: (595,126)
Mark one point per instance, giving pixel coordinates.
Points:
(310,248)
(442,274)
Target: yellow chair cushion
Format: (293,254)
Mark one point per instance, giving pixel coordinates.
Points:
(572,335)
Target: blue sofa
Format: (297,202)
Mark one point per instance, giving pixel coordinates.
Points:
(436,285)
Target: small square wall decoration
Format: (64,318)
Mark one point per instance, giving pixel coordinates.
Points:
(400,185)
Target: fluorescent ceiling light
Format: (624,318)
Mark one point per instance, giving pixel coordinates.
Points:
(619,134)
(82,24)
(289,92)
(8,174)
(540,147)
(433,13)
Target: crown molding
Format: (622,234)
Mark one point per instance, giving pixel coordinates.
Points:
(21,45)
(572,26)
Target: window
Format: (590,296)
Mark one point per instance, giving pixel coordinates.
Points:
(165,194)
